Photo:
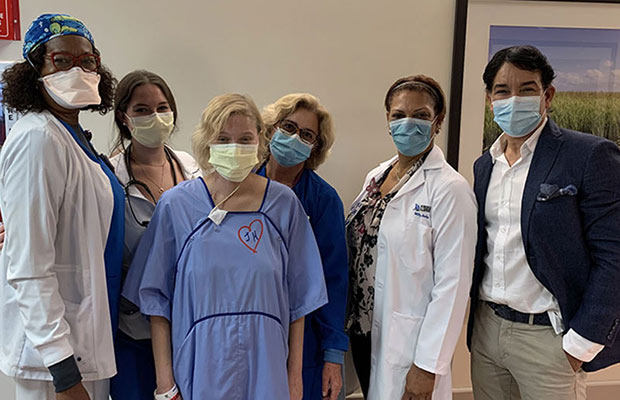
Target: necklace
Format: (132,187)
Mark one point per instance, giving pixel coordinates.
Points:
(160,186)
(399,176)
(410,170)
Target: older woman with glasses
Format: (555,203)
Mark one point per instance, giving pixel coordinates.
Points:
(145,115)
(227,269)
(300,134)
(63,210)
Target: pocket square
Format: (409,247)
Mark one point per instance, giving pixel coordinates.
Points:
(550,191)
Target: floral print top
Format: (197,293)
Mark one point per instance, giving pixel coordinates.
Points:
(362,233)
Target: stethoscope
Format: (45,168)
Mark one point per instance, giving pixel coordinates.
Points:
(134,181)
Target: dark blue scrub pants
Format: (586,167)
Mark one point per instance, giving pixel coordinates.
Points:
(135,378)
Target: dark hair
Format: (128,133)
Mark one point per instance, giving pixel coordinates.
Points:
(527,58)
(419,83)
(21,88)
(124,92)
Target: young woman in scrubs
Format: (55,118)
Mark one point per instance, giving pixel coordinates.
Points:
(63,210)
(300,134)
(145,115)
(227,269)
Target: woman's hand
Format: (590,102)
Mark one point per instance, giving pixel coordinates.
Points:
(170,387)
(295,385)
(162,354)
(332,380)
(295,359)
(419,385)
(76,392)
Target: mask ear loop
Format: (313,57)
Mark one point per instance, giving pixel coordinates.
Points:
(130,120)
(437,130)
(32,64)
(33,67)
(544,99)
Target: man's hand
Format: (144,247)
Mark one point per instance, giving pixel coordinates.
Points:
(76,392)
(419,385)
(1,235)
(332,380)
(574,363)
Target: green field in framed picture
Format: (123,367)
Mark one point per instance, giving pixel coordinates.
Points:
(587,66)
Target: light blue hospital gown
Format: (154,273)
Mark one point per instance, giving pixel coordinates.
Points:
(229,291)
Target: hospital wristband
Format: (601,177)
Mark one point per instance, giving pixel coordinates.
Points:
(172,394)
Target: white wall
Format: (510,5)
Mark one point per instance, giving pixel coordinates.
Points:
(347,52)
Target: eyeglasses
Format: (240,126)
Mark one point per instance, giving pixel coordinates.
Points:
(291,128)
(65,61)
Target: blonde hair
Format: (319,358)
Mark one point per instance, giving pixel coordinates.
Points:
(285,106)
(213,119)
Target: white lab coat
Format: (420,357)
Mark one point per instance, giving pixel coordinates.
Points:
(425,255)
(57,206)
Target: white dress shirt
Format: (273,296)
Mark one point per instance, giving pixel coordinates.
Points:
(508,278)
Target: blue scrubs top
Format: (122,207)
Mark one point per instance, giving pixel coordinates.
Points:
(113,254)
(230,291)
(324,336)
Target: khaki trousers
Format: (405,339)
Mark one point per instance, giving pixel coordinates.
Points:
(26,389)
(513,361)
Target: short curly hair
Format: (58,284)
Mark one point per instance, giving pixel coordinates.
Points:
(213,119)
(21,88)
(285,106)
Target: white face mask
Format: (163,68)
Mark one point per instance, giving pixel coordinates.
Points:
(233,162)
(73,89)
(152,130)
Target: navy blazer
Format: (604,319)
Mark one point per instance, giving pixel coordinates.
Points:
(572,242)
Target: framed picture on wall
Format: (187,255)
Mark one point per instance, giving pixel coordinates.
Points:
(581,41)
(587,67)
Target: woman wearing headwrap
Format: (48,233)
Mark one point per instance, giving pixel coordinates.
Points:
(64,214)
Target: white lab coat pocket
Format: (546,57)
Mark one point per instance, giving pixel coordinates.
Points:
(30,358)
(79,319)
(415,251)
(402,339)
(73,282)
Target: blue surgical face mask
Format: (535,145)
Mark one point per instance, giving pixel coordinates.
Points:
(289,150)
(517,116)
(411,135)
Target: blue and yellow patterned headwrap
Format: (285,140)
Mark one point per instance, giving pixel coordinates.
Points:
(49,26)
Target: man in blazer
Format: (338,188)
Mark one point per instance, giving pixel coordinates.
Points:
(546,287)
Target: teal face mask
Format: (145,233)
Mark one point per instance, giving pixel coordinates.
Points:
(411,135)
(288,150)
(517,116)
